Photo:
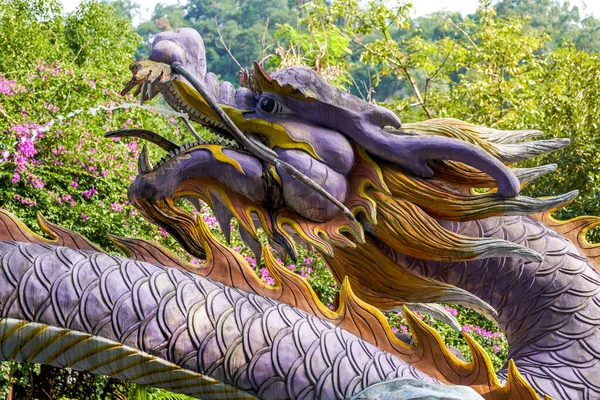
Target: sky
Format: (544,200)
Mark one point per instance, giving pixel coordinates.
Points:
(421,7)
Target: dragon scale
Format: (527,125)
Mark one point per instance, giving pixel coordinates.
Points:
(252,343)
(557,312)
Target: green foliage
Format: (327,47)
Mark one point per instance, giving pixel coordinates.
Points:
(561,20)
(142,392)
(97,35)
(125,9)
(325,50)
(34,381)
(494,64)
(29,30)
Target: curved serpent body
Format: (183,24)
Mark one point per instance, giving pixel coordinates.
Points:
(252,343)
(550,314)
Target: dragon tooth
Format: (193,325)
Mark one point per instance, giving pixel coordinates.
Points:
(223,216)
(144,165)
(252,243)
(195,202)
(149,90)
(143,92)
(279,249)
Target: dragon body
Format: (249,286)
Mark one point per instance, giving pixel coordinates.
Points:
(415,234)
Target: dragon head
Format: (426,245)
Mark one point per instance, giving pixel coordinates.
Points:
(284,135)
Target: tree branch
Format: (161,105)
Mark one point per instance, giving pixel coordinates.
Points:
(225,46)
(402,67)
(464,33)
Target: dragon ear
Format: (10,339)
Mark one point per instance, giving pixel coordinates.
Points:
(268,84)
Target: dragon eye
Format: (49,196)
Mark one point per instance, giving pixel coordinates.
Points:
(267,104)
(272,106)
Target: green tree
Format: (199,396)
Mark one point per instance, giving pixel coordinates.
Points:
(561,20)
(97,35)
(29,30)
(123,8)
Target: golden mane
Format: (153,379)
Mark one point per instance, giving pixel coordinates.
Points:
(407,216)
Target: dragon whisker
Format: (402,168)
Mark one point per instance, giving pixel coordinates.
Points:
(145,134)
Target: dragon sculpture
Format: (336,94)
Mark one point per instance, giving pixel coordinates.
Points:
(388,205)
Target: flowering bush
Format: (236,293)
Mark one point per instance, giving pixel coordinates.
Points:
(54,158)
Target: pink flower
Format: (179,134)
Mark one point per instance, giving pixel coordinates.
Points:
(251,261)
(25,200)
(92,83)
(133,146)
(10,87)
(88,193)
(210,220)
(117,207)
(35,181)
(266,277)
(84,216)
(451,310)
(16,177)
(74,184)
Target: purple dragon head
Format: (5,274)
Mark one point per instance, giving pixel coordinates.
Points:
(291,151)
